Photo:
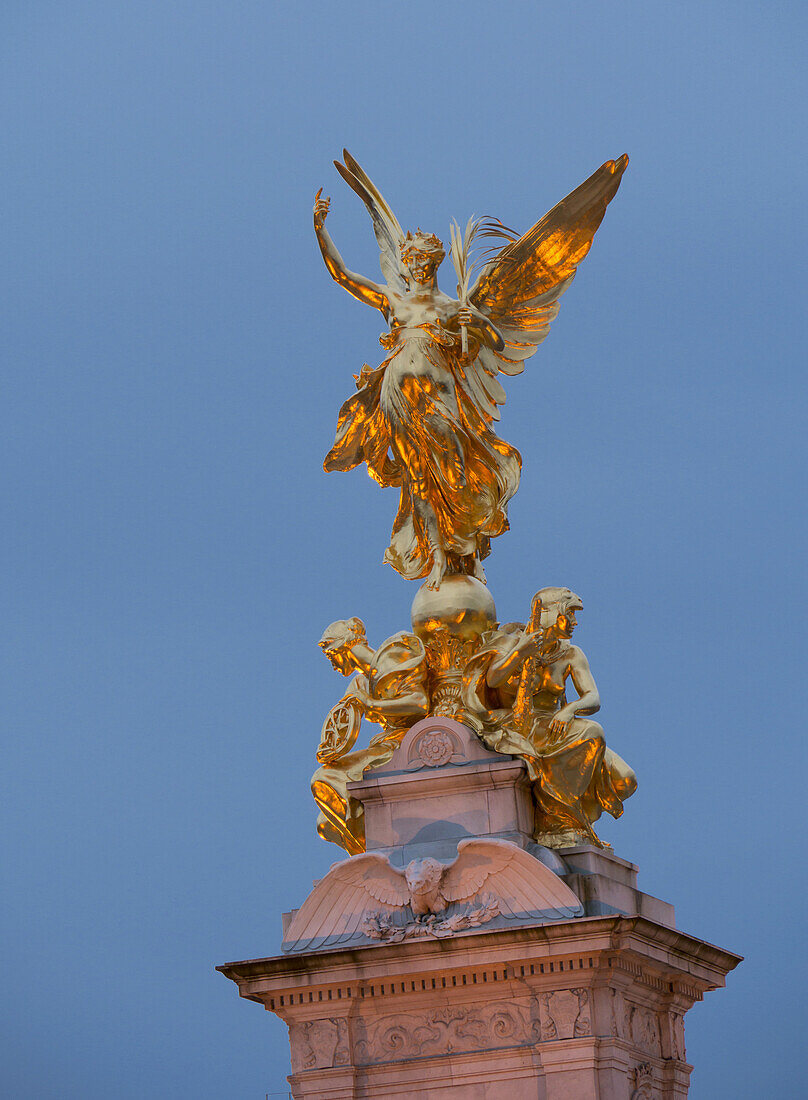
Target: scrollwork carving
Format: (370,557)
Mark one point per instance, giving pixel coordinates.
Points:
(445,1031)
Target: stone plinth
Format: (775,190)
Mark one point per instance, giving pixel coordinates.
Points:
(586,1009)
(607,884)
(580,996)
(441,785)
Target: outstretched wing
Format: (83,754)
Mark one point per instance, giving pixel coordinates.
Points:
(331,913)
(520,287)
(385,224)
(522,886)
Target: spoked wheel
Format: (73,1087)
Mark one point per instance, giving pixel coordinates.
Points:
(340,731)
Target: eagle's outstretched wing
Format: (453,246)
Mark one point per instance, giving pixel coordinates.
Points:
(389,233)
(521,884)
(331,913)
(518,290)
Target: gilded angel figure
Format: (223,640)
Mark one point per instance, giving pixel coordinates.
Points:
(423,419)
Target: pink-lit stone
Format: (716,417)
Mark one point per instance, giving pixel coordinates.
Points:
(588,1008)
(472,792)
(572,1010)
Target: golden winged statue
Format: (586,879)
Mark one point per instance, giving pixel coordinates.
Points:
(423,419)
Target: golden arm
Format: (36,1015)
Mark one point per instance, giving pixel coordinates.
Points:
(364,289)
(502,668)
(588,701)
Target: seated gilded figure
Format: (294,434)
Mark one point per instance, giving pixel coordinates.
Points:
(390,688)
(515,694)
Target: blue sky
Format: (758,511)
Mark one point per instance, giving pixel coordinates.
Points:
(174,358)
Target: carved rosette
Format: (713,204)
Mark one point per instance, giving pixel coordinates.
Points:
(435,748)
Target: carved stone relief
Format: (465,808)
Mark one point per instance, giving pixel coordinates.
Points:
(319,1044)
(566,1014)
(445,1031)
(435,748)
(645,1029)
(619,1012)
(678,1036)
(382,926)
(643,1081)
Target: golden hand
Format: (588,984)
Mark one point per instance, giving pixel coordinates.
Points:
(558,726)
(320,209)
(464,316)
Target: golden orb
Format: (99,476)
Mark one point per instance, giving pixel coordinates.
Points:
(461,605)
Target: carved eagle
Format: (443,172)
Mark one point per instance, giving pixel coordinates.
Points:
(523,887)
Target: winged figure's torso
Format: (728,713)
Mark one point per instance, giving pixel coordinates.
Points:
(418,375)
(426,306)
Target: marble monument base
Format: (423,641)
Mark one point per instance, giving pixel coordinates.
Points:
(586,1009)
(584,1002)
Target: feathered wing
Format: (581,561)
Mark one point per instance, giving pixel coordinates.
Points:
(333,910)
(520,287)
(522,885)
(388,232)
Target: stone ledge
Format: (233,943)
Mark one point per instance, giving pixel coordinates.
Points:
(702,964)
(479,775)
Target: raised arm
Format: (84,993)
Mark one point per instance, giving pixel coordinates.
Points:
(505,665)
(363,289)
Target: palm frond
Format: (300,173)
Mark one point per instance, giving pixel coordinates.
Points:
(466,261)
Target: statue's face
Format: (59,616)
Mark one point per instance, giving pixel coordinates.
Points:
(338,641)
(422,266)
(566,623)
(341,658)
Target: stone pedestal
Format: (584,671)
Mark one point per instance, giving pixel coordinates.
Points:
(441,786)
(588,1007)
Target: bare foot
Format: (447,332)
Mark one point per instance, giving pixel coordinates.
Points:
(478,571)
(437,572)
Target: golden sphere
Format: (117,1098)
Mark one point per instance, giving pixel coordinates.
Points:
(462,605)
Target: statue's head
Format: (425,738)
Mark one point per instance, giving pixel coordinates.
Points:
(422,255)
(558,607)
(423,875)
(339,639)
